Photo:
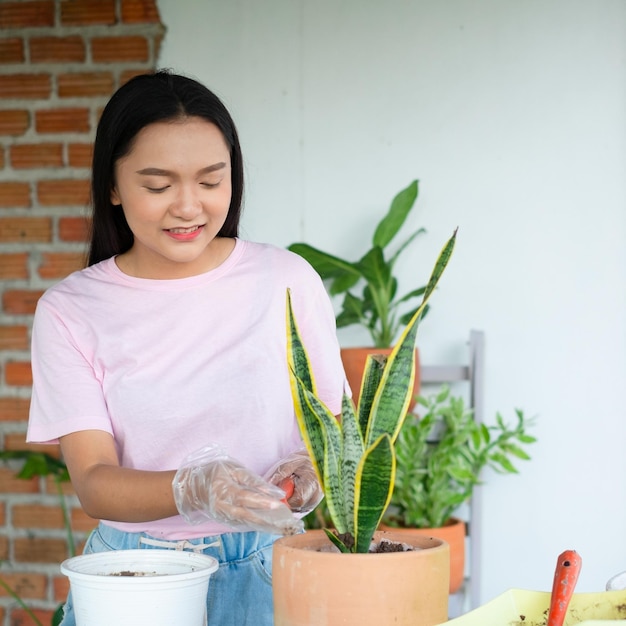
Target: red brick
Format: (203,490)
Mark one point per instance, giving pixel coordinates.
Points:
(63,192)
(14,122)
(26,13)
(26,156)
(12,50)
(60,588)
(14,194)
(74,229)
(85,84)
(84,12)
(126,75)
(119,49)
(80,154)
(140,11)
(57,49)
(13,265)
(10,483)
(17,441)
(25,229)
(37,516)
(18,374)
(81,522)
(4,548)
(2,161)
(25,584)
(39,550)
(25,86)
(51,484)
(20,301)
(60,264)
(14,409)
(62,120)
(19,617)
(14,338)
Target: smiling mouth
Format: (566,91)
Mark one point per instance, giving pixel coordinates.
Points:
(183,231)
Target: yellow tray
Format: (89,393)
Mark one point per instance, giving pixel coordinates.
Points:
(518,607)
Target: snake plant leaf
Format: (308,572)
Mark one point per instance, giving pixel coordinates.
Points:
(337,542)
(374,485)
(320,430)
(297,359)
(372,374)
(353,449)
(310,423)
(392,398)
(400,207)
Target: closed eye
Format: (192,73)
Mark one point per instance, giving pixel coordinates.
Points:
(157,189)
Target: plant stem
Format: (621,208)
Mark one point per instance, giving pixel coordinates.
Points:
(20,602)
(71,545)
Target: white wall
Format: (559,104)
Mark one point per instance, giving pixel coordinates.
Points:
(512,115)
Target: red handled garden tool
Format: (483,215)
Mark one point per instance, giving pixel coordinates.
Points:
(566,574)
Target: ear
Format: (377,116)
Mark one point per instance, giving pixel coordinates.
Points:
(115,199)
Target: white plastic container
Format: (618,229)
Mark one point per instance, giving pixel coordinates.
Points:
(168,587)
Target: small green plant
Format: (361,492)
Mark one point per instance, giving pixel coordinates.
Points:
(440,457)
(354,458)
(378,306)
(42,464)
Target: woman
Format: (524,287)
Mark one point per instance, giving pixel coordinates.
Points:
(161,367)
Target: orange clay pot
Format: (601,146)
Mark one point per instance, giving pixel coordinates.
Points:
(453,533)
(354,363)
(321,588)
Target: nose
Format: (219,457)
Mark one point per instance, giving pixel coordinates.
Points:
(187,204)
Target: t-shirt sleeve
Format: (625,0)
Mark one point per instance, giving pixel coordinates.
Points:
(67,395)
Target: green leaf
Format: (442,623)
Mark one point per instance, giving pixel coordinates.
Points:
(336,541)
(372,375)
(58,615)
(374,269)
(326,265)
(352,451)
(400,207)
(374,484)
(37,464)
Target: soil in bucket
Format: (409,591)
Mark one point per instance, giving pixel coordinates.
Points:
(130,587)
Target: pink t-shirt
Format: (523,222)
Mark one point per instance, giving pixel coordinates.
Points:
(169,366)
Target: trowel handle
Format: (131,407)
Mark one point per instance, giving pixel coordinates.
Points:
(566,574)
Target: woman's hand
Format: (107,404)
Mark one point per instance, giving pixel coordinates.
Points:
(297,469)
(211,485)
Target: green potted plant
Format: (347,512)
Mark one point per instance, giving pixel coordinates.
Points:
(369,286)
(440,457)
(355,462)
(42,464)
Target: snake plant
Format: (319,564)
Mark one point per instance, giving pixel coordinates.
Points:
(354,457)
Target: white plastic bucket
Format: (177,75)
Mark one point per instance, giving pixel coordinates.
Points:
(170,588)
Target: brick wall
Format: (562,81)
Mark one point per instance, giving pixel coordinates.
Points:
(59,62)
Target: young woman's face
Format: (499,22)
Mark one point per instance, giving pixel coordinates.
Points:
(174,187)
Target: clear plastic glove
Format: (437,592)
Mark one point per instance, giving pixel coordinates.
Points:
(210,485)
(296,477)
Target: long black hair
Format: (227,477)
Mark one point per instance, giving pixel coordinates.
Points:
(145,99)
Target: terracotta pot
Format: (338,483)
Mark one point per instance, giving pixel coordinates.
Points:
(354,363)
(453,533)
(327,588)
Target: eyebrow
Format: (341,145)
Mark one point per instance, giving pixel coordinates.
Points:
(157,171)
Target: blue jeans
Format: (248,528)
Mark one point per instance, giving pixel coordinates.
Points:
(240,591)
